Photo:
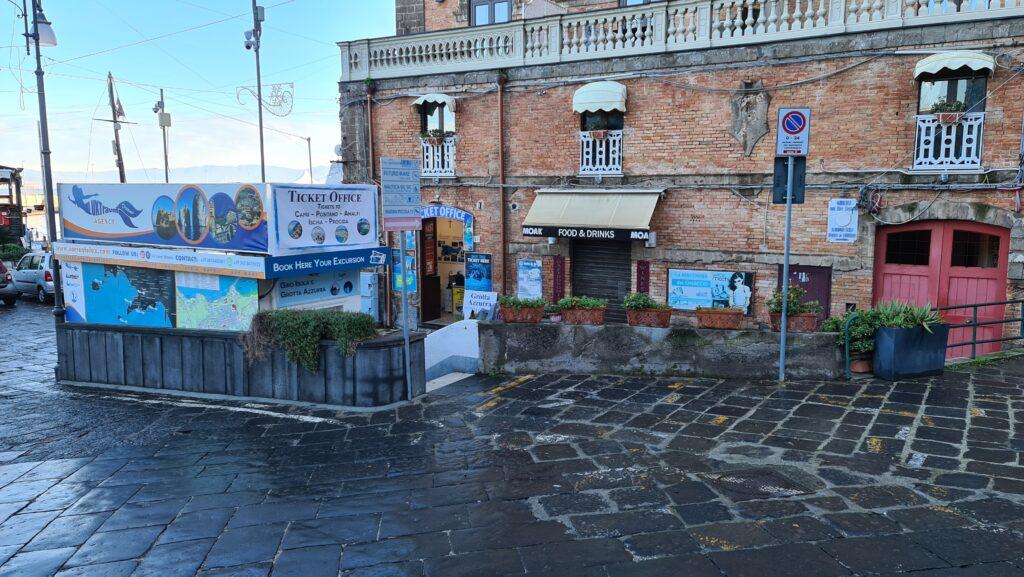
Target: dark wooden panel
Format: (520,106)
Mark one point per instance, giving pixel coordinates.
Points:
(312,387)
(261,378)
(214,367)
(237,375)
(114,343)
(338,376)
(192,364)
(133,360)
(285,377)
(98,362)
(152,364)
(80,346)
(170,357)
(63,364)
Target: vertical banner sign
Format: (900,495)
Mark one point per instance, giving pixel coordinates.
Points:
(530,280)
(74,291)
(400,189)
(479,272)
(794,132)
(842,220)
(403,272)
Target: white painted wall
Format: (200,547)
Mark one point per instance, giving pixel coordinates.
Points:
(459,343)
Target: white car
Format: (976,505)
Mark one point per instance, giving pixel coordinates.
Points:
(34,275)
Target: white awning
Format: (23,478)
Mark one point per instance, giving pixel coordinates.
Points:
(954,60)
(448,101)
(596,208)
(597,96)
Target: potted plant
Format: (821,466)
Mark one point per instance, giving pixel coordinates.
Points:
(598,134)
(802,314)
(582,310)
(910,341)
(862,337)
(435,137)
(728,318)
(948,113)
(553,313)
(644,311)
(517,310)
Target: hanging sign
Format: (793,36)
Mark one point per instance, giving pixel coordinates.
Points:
(227,217)
(794,132)
(843,220)
(400,190)
(530,282)
(479,272)
(336,217)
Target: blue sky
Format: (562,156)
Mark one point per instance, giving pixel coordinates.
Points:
(200,70)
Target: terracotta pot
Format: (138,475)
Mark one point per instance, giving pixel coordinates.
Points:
(598,134)
(434,140)
(727,319)
(801,323)
(524,315)
(649,317)
(583,316)
(861,364)
(949,118)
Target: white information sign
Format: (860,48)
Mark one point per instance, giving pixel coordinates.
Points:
(337,217)
(479,305)
(794,132)
(163,258)
(400,190)
(340,288)
(842,220)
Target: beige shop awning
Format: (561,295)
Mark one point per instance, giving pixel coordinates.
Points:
(954,60)
(597,96)
(593,209)
(437,98)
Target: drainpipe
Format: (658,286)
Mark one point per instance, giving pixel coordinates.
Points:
(502,78)
(369,176)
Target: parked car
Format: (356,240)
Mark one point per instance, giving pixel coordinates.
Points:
(8,292)
(33,275)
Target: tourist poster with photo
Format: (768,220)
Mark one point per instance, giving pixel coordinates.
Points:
(530,285)
(479,272)
(74,291)
(336,217)
(692,289)
(215,302)
(228,217)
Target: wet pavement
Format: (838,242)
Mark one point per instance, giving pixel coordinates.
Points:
(537,475)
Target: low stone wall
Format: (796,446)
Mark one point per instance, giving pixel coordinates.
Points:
(182,361)
(622,349)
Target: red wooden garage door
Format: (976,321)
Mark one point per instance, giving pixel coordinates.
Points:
(944,263)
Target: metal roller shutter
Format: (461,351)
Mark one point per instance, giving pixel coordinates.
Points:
(601,269)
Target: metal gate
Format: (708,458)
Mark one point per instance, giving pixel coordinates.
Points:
(601,269)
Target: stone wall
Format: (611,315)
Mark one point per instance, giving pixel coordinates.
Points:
(678,351)
(409,17)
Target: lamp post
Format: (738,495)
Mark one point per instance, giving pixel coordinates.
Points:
(42,35)
(252,42)
(164,120)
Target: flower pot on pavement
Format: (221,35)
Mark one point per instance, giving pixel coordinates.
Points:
(720,318)
(583,316)
(861,363)
(531,315)
(660,318)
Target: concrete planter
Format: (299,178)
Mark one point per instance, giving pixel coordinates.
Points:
(660,318)
(909,353)
(583,316)
(727,319)
(186,362)
(799,323)
(523,315)
(620,349)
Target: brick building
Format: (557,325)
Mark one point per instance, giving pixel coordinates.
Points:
(658,119)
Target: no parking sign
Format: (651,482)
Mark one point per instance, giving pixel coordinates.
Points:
(794,132)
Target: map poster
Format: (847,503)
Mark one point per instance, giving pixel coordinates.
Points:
(690,289)
(337,217)
(479,272)
(214,302)
(529,276)
(128,296)
(74,291)
(228,217)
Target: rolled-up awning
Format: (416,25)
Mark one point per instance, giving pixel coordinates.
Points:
(597,96)
(594,214)
(437,98)
(954,60)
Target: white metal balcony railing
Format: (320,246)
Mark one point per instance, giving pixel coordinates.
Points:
(671,26)
(601,153)
(955,146)
(438,157)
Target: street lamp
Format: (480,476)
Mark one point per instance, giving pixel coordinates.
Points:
(252,42)
(41,36)
(164,120)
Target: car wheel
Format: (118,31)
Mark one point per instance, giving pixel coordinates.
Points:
(9,301)
(41,295)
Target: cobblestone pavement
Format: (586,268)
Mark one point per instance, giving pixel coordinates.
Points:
(543,475)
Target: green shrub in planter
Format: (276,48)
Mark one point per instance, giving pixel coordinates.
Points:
(910,341)
(797,303)
(516,303)
(862,330)
(586,303)
(299,333)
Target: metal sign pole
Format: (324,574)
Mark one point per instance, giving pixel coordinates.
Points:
(785,269)
(405,318)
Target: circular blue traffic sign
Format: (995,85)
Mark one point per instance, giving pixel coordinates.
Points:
(794,122)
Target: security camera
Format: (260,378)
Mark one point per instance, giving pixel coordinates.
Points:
(249,44)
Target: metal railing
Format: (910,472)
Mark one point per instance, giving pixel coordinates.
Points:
(974,323)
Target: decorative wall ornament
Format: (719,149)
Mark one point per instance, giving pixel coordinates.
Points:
(279,102)
(750,114)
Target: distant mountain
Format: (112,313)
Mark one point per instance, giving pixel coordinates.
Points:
(211,173)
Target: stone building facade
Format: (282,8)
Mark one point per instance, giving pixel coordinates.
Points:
(703,83)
